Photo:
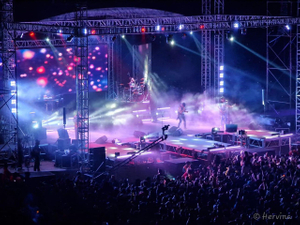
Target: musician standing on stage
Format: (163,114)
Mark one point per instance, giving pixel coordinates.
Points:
(181,116)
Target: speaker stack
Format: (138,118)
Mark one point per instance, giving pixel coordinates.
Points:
(97,156)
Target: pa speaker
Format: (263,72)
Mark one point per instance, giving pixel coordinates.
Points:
(138,134)
(231,128)
(101,140)
(97,156)
(175,131)
(62,133)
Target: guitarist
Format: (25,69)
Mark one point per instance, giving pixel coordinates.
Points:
(181,116)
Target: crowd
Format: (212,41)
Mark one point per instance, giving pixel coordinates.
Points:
(244,189)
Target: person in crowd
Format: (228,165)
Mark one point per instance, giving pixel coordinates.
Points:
(20,154)
(180,115)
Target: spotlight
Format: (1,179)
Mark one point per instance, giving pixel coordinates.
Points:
(181,26)
(31,34)
(123,36)
(221,90)
(93,32)
(143,30)
(70,38)
(231,38)
(221,83)
(202,27)
(169,38)
(191,32)
(236,25)
(157,28)
(47,39)
(172,42)
(215,130)
(287,27)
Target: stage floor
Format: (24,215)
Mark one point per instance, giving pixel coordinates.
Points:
(125,135)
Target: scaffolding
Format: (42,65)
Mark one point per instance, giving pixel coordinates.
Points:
(206,44)
(218,52)
(279,58)
(297,97)
(82,83)
(9,97)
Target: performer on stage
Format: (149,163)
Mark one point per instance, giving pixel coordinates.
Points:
(181,116)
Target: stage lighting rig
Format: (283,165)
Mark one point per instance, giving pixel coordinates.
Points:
(70,38)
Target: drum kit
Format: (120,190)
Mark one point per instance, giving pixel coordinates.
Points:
(135,92)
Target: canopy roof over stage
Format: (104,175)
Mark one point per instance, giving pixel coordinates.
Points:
(116,13)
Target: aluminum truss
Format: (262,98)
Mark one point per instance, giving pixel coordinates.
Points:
(171,24)
(111,85)
(117,61)
(8,107)
(297,116)
(218,52)
(206,67)
(82,83)
(279,60)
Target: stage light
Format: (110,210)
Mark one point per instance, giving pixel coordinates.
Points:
(84,31)
(31,34)
(172,42)
(93,32)
(157,28)
(221,68)
(13,101)
(221,83)
(287,27)
(143,30)
(201,26)
(13,92)
(215,130)
(35,124)
(47,39)
(14,110)
(21,36)
(169,39)
(181,26)
(191,32)
(70,38)
(231,38)
(162,29)
(222,90)
(123,36)
(236,25)
(221,75)
(13,83)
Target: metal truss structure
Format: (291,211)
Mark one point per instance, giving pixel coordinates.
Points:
(297,97)
(218,52)
(128,23)
(9,97)
(111,84)
(279,59)
(270,142)
(206,53)
(82,83)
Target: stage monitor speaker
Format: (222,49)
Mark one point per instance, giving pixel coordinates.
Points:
(231,128)
(175,131)
(62,133)
(138,134)
(97,156)
(63,143)
(101,140)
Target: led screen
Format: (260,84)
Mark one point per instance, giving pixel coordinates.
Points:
(49,72)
